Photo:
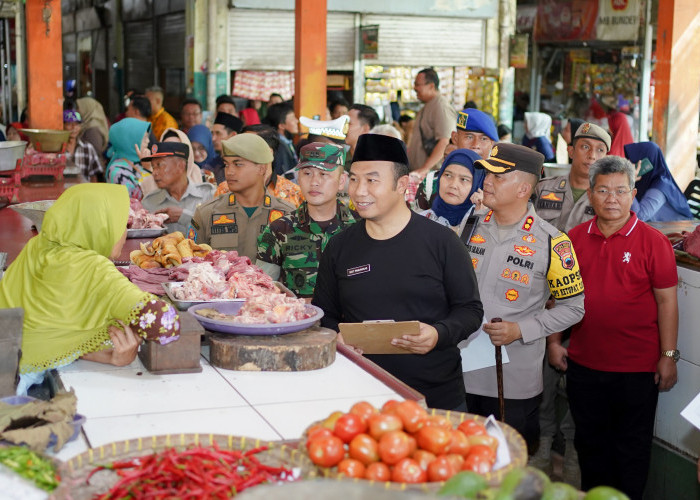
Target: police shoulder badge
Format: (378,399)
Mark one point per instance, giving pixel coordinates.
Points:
(231,199)
(528,223)
(488,216)
(268,200)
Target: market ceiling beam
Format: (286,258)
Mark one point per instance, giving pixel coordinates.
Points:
(44,66)
(677,79)
(310,58)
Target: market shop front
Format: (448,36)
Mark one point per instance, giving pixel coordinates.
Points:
(260,47)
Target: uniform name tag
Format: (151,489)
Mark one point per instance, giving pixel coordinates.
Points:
(358,270)
(549,205)
(224,229)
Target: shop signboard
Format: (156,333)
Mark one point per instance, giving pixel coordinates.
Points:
(518,50)
(369,41)
(618,20)
(565,20)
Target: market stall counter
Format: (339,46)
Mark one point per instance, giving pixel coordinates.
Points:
(122,403)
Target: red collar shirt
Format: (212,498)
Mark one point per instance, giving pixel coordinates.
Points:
(619,331)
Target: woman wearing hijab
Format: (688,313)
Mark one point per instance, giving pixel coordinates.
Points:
(128,137)
(459,187)
(202,145)
(537,127)
(194,174)
(658,196)
(95,127)
(618,125)
(76,303)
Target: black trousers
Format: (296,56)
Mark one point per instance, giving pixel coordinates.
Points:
(614,416)
(521,414)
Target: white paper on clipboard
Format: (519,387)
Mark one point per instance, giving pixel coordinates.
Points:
(692,412)
(478,352)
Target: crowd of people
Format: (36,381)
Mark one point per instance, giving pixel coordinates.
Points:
(372,221)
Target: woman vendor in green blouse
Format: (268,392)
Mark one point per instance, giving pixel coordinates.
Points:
(76,303)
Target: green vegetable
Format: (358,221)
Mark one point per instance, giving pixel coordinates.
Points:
(560,491)
(30,466)
(523,484)
(605,493)
(464,484)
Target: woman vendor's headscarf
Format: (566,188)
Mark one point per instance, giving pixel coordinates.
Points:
(93,117)
(69,289)
(123,135)
(202,135)
(455,213)
(194,174)
(659,178)
(538,124)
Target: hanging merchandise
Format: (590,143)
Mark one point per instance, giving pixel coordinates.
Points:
(483,88)
(258,85)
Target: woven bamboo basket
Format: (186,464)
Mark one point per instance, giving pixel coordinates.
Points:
(514,441)
(74,472)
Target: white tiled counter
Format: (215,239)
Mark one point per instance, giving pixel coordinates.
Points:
(129,402)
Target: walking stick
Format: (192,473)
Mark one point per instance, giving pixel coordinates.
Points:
(499,377)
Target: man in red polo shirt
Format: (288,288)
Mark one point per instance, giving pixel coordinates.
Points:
(623,352)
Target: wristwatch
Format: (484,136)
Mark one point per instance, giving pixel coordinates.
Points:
(674,354)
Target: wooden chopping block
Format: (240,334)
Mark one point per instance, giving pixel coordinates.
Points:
(309,349)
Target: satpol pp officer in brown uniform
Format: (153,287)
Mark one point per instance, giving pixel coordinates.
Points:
(520,260)
(234,221)
(562,201)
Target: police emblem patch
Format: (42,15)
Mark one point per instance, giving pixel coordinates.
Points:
(563,250)
(585,128)
(529,238)
(477,238)
(494,151)
(462,120)
(512,294)
(524,250)
(275,214)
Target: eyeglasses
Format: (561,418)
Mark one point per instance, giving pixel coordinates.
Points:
(615,193)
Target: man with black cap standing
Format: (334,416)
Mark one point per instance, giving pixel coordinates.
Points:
(520,260)
(235,221)
(225,126)
(398,265)
(176,196)
(562,200)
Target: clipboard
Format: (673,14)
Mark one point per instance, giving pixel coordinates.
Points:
(374,337)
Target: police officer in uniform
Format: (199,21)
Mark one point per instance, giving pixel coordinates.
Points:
(520,260)
(562,201)
(290,248)
(234,221)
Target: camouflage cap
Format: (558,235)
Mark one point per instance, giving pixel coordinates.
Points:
(327,157)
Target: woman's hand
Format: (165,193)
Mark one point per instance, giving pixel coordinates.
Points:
(477,199)
(126,344)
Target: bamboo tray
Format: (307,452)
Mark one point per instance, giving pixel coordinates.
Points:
(74,472)
(516,447)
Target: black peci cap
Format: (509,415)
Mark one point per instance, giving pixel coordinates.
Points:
(376,147)
(229,121)
(506,157)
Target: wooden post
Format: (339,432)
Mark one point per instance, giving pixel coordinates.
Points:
(44,64)
(677,79)
(310,58)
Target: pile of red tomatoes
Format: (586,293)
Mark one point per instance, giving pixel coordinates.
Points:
(400,443)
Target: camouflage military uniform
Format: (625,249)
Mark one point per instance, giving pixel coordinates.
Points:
(291,247)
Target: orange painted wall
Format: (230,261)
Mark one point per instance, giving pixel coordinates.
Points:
(44,65)
(676,96)
(310,58)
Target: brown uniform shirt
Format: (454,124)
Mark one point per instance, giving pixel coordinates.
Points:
(224,224)
(435,121)
(555,203)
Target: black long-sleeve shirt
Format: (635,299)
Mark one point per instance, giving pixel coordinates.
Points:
(424,273)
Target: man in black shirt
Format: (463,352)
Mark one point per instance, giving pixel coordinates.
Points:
(397,265)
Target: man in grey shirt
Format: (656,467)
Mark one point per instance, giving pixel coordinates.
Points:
(176,196)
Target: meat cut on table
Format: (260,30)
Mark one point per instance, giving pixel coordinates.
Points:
(140,218)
